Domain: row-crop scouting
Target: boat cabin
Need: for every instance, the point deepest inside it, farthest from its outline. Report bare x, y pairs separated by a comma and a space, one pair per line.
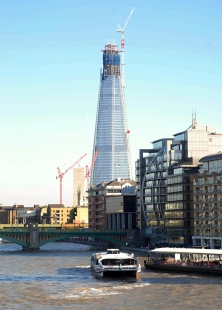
184, 258
112, 251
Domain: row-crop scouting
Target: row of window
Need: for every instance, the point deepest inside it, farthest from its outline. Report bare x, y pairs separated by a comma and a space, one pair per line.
175, 188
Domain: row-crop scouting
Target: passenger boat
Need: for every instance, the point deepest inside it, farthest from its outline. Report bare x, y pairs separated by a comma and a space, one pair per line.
115, 263
185, 260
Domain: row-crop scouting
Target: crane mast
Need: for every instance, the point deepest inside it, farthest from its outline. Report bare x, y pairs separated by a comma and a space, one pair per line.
122, 30
88, 169
61, 175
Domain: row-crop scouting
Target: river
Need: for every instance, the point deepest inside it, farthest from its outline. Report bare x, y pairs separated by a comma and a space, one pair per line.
58, 276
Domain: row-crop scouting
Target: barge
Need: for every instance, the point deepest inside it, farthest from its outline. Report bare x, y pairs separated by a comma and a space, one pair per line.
185, 260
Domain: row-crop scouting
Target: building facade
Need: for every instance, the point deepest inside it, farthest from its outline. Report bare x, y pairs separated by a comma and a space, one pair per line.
121, 212
97, 201
81, 219
18, 214
207, 185
111, 133
164, 177
58, 214
79, 187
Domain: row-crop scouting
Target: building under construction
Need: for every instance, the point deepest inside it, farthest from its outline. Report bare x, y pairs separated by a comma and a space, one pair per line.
111, 134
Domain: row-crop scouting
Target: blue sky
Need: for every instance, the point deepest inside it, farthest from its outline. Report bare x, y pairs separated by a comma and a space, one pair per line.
50, 60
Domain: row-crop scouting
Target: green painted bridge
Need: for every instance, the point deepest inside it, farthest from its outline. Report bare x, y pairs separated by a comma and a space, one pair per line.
33, 235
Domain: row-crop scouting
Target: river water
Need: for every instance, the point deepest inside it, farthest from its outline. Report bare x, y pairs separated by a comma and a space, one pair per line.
58, 276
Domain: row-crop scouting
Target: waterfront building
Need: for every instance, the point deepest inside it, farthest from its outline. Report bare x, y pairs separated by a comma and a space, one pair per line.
111, 133
18, 214
164, 176
207, 193
58, 214
97, 204
79, 187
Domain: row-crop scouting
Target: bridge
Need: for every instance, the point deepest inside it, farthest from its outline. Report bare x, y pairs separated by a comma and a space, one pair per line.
32, 236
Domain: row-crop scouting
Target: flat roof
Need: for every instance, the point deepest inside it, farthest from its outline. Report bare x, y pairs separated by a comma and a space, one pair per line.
211, 157
188, 251
162, 139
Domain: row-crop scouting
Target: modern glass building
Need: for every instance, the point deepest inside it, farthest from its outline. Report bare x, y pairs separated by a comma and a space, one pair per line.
164, 177
207, 192
111, 134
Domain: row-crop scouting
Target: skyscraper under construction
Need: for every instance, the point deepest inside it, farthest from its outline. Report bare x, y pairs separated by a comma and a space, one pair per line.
111, 133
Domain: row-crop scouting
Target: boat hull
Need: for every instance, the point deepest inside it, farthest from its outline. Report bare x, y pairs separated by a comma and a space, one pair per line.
114, 273
183, 269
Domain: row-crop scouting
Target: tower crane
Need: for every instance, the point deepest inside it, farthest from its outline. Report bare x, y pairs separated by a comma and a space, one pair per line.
122, 30
61, 174
89, 169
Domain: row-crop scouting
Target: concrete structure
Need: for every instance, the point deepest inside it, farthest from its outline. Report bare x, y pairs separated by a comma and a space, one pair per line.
111, 132
97, 201
207, 193
164, 183
79, 187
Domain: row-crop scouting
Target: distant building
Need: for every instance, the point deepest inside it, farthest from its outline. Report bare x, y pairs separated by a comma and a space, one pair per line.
81, 218
207, 196
121, 212
58, 214
10, 214
79, 187
18, 214
97, 204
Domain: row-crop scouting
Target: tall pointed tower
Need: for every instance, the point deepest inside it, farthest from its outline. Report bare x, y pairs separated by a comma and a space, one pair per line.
111, 134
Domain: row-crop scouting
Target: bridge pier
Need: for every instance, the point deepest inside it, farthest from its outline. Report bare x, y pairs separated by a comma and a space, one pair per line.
33, 238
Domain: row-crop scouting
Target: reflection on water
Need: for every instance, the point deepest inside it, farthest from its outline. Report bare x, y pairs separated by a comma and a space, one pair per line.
58, 276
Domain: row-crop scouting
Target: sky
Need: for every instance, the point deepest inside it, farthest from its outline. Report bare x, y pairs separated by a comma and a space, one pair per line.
50, 61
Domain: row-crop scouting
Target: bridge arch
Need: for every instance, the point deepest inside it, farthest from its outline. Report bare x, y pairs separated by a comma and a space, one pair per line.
32, 238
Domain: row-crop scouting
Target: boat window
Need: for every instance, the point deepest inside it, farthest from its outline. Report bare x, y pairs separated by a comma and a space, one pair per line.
116, 251
123, 262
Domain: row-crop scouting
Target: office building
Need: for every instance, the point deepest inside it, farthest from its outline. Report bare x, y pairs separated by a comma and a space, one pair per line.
164, 176
207, 193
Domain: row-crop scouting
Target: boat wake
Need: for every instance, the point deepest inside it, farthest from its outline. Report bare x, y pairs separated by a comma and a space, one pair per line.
98, 292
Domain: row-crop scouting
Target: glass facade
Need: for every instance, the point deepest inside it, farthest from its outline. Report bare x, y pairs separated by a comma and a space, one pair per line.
153, 192
111, 135
207, 186
165, 189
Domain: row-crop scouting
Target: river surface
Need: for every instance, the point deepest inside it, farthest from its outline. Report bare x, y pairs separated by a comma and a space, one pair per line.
58, 276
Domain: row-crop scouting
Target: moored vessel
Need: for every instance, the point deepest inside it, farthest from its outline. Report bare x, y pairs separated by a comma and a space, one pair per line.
115, 263
185, 260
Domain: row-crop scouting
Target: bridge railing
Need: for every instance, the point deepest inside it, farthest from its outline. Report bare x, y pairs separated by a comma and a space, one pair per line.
20, 227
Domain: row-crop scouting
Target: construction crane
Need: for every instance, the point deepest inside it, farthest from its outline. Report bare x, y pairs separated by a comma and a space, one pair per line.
122, 30
89, 169
61, 174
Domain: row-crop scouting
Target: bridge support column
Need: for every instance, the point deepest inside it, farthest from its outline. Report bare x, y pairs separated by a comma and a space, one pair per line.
33, 237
